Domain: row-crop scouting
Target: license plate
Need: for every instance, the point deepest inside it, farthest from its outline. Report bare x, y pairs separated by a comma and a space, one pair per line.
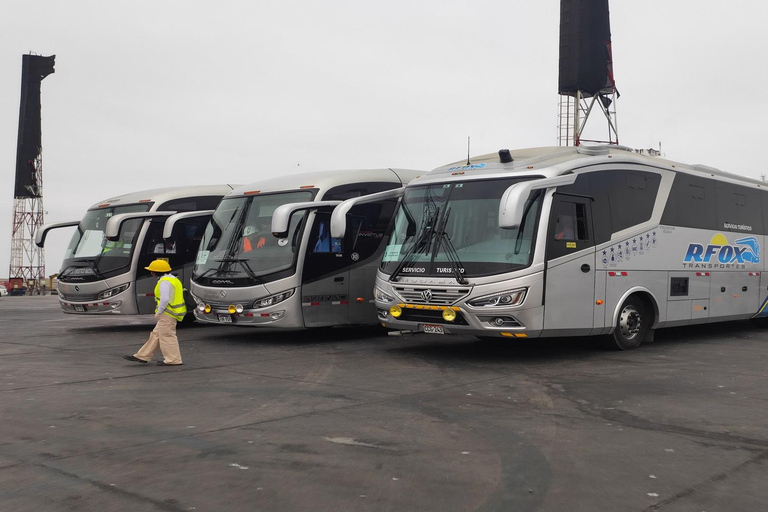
432, 329
225, 319
80, 309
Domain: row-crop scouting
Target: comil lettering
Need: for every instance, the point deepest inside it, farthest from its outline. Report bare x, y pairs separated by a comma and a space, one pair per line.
719, 250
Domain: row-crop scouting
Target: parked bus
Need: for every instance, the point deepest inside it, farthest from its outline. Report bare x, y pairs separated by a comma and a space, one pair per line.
267, 257
103, 270
572, 241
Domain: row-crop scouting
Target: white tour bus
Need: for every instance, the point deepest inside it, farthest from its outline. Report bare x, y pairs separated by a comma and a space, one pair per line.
572, 241
103, 270
267, 257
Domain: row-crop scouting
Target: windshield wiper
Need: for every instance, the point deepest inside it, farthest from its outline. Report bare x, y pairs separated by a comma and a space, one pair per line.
421, 244
216, 270
91, 263
442, 237
243, 263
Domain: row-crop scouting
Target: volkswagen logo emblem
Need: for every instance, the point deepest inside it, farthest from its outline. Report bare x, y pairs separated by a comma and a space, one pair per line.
222, 294
426, 295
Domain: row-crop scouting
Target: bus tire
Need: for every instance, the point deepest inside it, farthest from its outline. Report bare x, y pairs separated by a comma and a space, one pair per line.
631, 325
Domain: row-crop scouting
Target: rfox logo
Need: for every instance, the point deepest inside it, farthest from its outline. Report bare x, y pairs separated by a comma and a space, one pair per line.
743, 250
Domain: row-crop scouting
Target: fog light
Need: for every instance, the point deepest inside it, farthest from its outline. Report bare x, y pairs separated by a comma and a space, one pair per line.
207, 308
395, 311
232, 310
498, 321
201, 307
239, 308
449, 315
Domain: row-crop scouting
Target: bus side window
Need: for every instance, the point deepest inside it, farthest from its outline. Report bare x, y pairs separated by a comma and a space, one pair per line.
324, 243
571, 222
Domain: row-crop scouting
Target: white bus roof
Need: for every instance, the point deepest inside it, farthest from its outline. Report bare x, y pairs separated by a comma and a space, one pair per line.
161, 195
324, 180
555, 161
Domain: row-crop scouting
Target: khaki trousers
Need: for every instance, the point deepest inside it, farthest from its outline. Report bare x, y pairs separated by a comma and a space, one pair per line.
164, 337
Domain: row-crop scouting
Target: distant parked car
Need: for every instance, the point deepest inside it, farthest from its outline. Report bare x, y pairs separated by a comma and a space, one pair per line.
3, 290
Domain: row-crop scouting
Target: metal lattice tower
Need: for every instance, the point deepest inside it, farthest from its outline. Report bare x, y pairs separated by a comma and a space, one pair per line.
575, 110
27, 259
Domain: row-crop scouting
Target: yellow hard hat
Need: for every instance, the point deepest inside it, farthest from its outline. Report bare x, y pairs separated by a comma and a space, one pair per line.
159, 266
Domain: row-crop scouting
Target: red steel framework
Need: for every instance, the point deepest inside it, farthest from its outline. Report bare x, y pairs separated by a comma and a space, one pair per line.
27, 260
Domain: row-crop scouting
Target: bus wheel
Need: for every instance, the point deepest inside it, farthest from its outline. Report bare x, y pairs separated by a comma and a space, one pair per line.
631, 326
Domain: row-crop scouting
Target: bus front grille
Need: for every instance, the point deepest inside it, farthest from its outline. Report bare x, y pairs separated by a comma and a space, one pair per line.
428, 295
78, 298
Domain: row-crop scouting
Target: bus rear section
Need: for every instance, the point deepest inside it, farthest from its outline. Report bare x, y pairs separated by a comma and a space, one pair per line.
597, 243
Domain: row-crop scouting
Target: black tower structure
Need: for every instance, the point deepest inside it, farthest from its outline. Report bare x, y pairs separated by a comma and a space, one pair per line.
27, 260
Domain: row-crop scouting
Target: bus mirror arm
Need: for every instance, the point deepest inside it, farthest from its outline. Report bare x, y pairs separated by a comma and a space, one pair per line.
171, 221
42, 232
512, 204
339, 215
281, 217
112, 230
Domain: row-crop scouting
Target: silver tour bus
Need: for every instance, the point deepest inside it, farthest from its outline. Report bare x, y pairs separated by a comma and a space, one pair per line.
103, 269
572, 241
267, 257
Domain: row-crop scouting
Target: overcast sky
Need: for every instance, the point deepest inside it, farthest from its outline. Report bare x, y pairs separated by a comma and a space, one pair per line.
159, 93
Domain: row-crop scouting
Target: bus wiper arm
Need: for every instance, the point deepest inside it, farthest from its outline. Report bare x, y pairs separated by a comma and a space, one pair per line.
243, 263
92, 264
443, 238
424, 239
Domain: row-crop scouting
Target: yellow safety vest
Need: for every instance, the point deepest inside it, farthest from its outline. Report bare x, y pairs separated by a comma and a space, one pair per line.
176, 306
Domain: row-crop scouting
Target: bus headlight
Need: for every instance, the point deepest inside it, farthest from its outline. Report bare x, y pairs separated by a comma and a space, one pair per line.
503, 299
114, 291
272, 300
379, 295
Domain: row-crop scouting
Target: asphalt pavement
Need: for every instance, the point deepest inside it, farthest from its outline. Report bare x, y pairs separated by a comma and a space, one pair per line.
350, 419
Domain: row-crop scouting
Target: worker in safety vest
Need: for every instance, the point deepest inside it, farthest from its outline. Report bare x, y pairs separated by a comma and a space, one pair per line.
169, 296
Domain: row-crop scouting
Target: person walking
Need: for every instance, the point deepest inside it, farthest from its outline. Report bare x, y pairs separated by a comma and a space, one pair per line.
170, 310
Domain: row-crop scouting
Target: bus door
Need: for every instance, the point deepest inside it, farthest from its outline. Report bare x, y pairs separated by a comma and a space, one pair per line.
570, 276
364, 245
179, 251
325, 277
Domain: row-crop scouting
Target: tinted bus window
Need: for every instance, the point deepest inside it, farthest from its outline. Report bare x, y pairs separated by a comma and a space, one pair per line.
691, 203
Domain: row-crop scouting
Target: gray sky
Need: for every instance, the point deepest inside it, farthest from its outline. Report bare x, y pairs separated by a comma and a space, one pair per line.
157, 93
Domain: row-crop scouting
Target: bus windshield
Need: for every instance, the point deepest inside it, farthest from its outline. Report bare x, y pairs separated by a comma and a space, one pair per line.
90, 255
452, 230
238, 245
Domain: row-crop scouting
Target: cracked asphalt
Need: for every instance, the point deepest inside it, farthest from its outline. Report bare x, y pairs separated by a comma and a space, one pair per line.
353, 419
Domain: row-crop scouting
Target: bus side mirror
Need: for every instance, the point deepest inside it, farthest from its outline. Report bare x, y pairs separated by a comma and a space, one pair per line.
281, 217
512, 204
339, 215
43, 230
